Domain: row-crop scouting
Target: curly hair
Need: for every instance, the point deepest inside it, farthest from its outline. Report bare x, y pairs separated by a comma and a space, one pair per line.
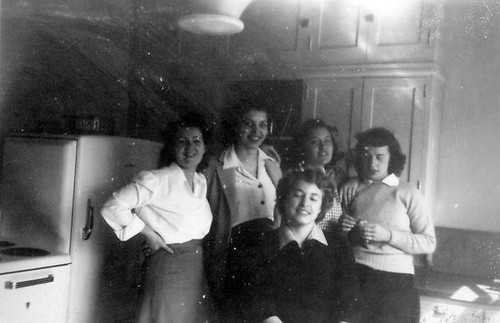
189, 120
380, 137
233, 117
311, 176
301, 135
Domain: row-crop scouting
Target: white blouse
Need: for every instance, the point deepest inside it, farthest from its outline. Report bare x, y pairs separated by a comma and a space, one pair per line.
163, 200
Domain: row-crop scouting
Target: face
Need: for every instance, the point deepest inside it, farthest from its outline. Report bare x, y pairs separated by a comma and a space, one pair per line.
189, 148
253, 129
318, 147
303, 204
375, 162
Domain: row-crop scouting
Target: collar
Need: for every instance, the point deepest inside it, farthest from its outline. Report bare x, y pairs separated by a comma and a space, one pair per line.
391, 180
286, 236
231, 160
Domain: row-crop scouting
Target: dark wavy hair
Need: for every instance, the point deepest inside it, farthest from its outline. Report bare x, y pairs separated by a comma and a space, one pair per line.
191, 119
232, 119
380, 137
312, 176
303, 132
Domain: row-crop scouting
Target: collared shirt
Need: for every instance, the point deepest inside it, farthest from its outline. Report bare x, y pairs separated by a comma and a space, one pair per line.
286, 236
256, 197
163, 200
334, 213
390, 180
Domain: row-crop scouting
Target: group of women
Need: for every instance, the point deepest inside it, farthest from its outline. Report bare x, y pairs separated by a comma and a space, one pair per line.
233, 240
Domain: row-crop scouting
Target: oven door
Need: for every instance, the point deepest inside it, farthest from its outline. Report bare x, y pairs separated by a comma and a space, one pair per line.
39, 295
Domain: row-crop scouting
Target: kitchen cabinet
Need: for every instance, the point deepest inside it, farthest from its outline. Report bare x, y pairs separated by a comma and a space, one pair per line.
405, 102
346, 31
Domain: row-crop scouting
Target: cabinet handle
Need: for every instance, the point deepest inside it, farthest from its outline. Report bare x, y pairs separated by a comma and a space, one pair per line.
304, 23
310, 43
369, 17
27, 283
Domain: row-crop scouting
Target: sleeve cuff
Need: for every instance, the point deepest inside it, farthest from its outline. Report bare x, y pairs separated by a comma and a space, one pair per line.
132, 229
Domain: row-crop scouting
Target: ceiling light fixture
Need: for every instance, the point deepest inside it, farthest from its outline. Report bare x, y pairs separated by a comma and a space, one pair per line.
215, 17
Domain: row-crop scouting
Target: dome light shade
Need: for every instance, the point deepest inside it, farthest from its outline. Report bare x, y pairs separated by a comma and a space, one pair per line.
215, 17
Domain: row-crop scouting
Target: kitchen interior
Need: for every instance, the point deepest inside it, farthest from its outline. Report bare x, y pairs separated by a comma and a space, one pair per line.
86, 88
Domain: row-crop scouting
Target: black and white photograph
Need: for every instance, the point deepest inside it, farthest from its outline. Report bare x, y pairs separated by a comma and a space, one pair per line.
250, 161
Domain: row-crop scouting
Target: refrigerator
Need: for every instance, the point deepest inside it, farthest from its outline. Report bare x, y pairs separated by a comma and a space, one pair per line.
52, 189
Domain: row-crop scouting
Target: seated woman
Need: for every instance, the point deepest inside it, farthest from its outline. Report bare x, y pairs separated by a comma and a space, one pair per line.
295, 273
388, 224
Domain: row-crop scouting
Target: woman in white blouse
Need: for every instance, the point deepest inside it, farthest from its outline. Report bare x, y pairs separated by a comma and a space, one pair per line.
169, 207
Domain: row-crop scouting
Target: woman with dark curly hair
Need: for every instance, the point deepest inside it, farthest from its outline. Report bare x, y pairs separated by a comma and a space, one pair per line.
241, 190
295, 273
169, 207
388, 223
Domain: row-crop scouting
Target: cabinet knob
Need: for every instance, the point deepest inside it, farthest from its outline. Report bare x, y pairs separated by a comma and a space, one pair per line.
304, 23
369, 17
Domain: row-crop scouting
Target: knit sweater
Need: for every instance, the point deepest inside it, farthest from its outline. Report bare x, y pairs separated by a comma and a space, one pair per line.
399, 207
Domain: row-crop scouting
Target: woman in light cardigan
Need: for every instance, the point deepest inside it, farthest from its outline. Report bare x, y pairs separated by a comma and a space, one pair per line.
242, 184
388, 223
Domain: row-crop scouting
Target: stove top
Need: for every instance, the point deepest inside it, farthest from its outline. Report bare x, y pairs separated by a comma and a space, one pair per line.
16, 257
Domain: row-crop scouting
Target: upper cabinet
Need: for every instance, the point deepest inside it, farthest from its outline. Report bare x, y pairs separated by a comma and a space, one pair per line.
357, 31
407, 102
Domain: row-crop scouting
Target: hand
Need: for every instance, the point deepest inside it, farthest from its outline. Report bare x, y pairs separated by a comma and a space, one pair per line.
154, 242
347, 223
376, 232
269, 149
348, 191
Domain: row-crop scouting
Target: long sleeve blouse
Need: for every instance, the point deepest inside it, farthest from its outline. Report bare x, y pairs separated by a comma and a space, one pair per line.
163, 200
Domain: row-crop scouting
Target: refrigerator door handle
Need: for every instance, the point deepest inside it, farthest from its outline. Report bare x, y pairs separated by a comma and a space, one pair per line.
89, 222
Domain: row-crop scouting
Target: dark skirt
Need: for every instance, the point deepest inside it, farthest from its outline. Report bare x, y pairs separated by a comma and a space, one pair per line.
388, 297
175, 288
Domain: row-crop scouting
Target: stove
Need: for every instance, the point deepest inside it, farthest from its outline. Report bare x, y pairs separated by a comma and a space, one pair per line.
16, 257
34, 283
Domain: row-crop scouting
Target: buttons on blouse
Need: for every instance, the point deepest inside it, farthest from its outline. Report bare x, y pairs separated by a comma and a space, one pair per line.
262, 202
260, 185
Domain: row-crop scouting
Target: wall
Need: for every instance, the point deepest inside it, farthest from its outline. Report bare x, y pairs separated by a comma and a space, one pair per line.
469, 173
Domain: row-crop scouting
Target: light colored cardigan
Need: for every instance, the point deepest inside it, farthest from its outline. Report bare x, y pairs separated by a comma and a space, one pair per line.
400, 207
221, 194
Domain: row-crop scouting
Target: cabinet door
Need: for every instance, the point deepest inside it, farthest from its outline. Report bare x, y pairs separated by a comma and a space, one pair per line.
398, 105
347, 31
337, 102
338, 32
399, 30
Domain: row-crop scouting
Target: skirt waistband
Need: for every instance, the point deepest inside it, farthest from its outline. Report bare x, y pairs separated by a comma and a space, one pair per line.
187, 247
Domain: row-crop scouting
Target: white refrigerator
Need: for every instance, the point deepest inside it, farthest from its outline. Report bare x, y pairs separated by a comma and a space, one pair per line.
52, 188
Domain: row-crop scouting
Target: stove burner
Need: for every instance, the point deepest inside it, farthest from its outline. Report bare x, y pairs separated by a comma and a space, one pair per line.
24, 252
4, 244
